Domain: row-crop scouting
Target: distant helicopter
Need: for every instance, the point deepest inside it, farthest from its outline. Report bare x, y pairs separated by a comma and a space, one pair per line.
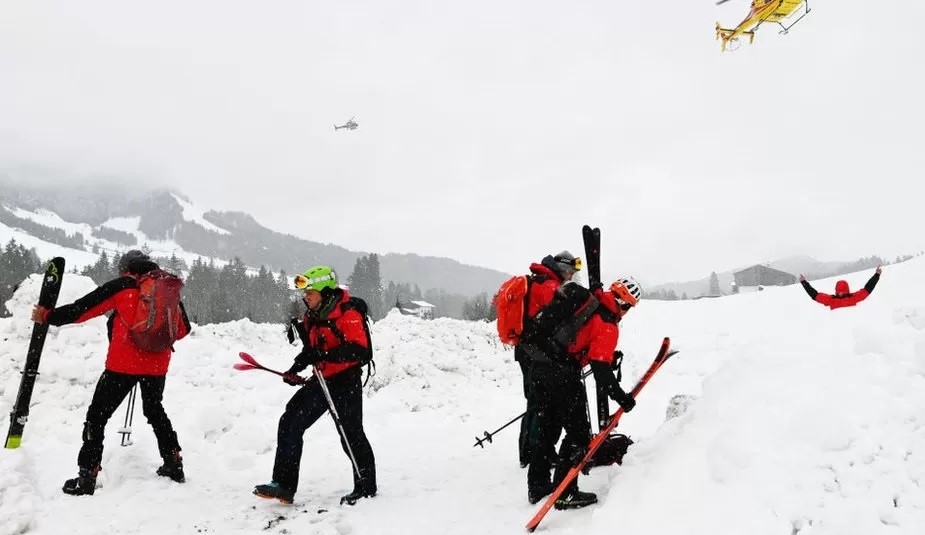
350, 125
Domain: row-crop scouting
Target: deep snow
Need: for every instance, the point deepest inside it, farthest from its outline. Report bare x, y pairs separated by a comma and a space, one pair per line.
803, 420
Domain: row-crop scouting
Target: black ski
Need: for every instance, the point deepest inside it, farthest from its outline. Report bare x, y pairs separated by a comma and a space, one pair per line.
592, 239
48, 297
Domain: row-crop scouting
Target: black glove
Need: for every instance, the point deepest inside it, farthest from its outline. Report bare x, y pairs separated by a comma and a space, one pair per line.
625, 400
596, 286
293, 379
306, 358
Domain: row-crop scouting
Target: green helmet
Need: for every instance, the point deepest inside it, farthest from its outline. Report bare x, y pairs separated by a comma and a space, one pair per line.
316, 278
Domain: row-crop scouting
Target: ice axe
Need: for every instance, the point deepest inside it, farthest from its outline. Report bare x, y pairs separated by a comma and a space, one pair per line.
251, 364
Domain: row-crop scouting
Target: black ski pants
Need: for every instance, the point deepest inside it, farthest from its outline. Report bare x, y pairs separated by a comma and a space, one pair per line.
304, 409
111, 389
528, 422
561, 403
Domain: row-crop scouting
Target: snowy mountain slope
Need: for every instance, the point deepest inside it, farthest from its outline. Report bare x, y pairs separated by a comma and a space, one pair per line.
806, 421
169, 223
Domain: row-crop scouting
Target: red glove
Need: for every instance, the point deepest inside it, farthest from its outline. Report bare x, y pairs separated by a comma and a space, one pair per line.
40, 314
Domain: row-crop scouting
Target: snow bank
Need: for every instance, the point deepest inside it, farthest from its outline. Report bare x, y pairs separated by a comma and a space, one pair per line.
787, 417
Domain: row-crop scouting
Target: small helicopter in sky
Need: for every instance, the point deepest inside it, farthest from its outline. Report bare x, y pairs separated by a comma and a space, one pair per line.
349, 125
762, 11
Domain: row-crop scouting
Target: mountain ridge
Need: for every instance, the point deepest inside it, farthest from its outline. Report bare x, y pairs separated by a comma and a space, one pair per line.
106, 213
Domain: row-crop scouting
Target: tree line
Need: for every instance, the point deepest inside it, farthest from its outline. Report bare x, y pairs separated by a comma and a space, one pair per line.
216, 294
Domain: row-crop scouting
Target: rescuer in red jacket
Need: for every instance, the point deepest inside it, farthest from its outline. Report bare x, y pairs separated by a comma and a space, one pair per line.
558, 392
843, 297
336, 340
545, 279
126, 365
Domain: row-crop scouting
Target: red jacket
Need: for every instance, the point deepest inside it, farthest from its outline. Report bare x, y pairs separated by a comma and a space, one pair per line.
843, 296
121, 297
337, 355
542, 289
597, 339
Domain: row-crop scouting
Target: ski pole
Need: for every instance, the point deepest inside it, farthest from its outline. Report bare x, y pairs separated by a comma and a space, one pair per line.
488, 436
340, 428
126, 430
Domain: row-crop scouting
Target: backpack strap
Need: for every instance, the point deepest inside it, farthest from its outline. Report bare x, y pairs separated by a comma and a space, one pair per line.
565, 335
531, 278
360, 306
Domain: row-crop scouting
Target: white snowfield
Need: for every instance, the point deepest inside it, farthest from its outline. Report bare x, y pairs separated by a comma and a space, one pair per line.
804, 421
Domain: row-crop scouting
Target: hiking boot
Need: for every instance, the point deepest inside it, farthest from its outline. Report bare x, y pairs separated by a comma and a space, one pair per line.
273, 491
535, 494
173, 468
84, 483
361, 489
355, 496
576, 500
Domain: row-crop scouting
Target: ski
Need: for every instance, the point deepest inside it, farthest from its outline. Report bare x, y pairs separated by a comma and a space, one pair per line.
664, 354
48, 297
592, 240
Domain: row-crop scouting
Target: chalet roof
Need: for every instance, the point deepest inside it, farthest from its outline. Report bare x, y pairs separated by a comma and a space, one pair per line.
765, 269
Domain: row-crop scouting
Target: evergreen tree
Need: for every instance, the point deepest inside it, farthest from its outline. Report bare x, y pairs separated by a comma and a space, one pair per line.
374, 288
366, 283
101, 271
480, 308
714, 284
16, 264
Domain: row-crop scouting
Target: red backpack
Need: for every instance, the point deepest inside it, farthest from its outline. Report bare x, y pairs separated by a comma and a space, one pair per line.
154, 327
510, 303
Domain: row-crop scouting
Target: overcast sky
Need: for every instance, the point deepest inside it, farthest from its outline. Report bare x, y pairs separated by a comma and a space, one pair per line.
490, 131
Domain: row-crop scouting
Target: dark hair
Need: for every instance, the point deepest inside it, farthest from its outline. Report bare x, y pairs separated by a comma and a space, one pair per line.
130, 258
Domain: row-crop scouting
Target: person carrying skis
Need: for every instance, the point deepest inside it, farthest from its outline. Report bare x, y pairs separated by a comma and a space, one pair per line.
126, 365
559, 394
336, 341
843, 297
545, 278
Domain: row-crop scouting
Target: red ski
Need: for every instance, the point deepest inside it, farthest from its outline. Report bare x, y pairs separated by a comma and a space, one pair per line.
663, 354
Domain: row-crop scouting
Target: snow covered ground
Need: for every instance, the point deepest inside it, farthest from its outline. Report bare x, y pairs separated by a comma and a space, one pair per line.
805, 420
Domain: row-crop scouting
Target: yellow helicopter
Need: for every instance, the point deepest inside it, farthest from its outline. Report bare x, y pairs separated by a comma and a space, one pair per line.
762, 11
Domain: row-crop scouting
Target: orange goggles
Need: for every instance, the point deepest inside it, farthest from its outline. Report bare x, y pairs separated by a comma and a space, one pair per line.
302, 282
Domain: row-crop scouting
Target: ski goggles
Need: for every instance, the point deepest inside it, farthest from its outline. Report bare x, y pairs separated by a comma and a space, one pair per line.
302, 282
574, 263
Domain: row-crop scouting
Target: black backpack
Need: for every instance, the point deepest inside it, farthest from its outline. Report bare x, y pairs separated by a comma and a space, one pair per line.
355, 303
611, 451
571, 307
